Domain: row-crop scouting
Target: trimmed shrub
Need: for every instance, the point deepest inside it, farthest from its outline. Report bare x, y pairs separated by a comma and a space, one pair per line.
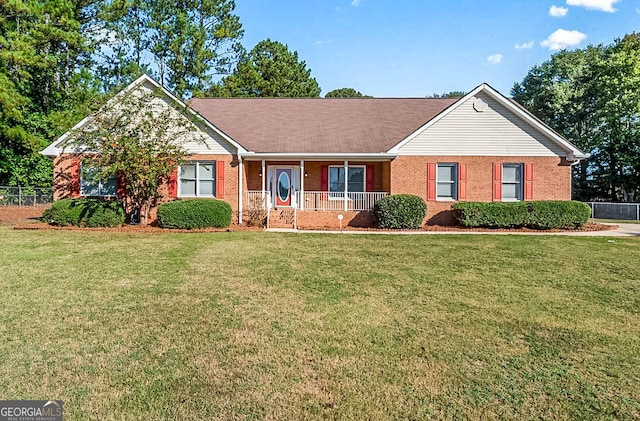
85, 212
399, 211
558, 214
491, 215
544, 214
194, 213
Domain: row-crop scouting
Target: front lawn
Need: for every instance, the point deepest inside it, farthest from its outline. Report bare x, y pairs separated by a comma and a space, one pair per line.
319, 326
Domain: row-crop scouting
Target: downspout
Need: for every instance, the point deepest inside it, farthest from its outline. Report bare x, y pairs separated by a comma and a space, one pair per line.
574, 161
241, 174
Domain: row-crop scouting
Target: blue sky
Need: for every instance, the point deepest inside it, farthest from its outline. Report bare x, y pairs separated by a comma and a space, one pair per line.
413, 48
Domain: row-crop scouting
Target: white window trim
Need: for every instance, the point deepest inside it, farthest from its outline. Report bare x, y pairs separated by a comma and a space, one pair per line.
100, 186
520, 183
364, 181
454, 182
197, 178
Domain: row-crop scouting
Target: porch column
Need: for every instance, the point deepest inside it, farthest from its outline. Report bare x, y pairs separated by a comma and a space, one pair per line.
301, 204
263, 184
346, 183
241, 172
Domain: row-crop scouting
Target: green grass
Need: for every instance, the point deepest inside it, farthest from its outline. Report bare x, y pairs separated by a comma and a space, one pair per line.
615, 221
284, 326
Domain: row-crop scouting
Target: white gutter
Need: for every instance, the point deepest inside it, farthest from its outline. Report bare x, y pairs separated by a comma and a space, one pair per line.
318, 156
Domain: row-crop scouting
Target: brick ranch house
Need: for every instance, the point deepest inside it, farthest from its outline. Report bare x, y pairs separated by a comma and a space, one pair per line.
307, 161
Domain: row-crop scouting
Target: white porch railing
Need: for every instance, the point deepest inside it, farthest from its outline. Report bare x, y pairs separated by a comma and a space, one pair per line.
334, 201
321, 201
254, 200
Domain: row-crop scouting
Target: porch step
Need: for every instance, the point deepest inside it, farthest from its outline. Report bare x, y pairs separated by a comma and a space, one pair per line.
281, 218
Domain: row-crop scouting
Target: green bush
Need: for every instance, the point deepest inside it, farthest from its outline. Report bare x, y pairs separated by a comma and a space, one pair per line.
399, 211
558, 214
194, 213
85, 212
492, 214
545, 214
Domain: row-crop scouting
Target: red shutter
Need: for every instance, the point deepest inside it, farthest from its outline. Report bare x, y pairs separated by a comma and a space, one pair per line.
173, 183
431, 181
120, 185
220, 179
462, 181
75, 177
528, 181
370, 178
497, 182
324, 178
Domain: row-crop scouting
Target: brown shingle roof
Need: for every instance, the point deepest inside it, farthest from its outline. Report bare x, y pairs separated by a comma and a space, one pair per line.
340, 125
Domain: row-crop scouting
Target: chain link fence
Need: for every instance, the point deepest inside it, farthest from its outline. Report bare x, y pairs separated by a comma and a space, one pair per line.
25, 196
608, 210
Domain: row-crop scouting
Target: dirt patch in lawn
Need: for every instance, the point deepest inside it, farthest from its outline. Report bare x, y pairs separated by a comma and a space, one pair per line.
11, 215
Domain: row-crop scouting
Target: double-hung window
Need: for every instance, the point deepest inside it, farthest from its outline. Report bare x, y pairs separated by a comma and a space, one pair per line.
92, 185
355, 180
197, 179
447, 181
512, 182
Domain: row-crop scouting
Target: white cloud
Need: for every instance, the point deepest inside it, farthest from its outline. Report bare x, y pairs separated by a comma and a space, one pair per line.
562, 38
355, 3
525, 46
558, 12
323, 41
601, 5
494, 58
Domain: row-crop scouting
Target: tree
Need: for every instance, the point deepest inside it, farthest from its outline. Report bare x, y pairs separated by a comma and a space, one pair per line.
122, 40
451, 94
268, 70
590, 96
42, 51
141, 149
188, 41
561, 92
345, 93
617, 110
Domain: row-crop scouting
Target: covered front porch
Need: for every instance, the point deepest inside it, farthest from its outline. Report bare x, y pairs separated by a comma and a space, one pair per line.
315, 185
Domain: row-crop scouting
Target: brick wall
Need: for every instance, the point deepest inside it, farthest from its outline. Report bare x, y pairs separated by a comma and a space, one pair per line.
329, 220
406, 174
552, 180
63, 179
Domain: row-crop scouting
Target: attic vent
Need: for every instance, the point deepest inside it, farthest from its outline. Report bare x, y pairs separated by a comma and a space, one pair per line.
479, 105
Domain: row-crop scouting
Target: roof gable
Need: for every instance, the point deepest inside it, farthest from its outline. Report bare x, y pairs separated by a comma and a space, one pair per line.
549, 141
215, 137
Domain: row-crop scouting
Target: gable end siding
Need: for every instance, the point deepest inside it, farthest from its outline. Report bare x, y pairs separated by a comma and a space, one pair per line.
496, 131
201, 141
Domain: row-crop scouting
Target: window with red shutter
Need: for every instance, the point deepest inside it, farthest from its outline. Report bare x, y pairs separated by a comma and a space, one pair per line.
431, 181
173, 184
74, 172
497, 181
528, 181
462, 181
370, 178
324, 178
220, 180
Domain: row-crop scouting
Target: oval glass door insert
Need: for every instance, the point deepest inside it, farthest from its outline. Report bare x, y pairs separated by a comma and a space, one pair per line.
283, 186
